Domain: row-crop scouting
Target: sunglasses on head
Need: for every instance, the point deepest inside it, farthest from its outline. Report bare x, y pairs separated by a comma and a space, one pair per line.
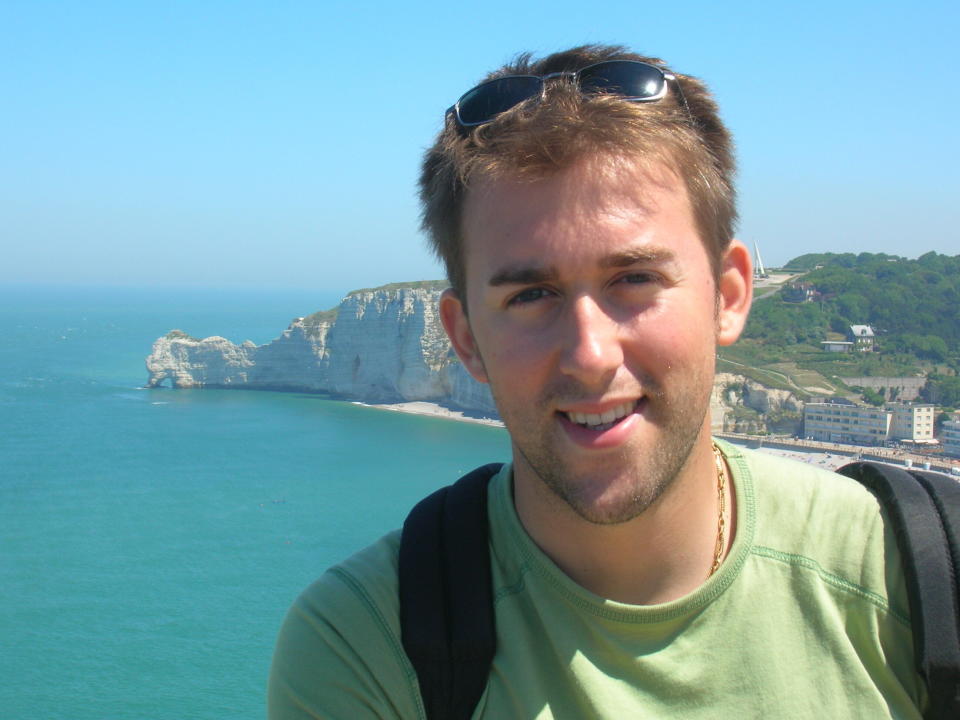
630, 79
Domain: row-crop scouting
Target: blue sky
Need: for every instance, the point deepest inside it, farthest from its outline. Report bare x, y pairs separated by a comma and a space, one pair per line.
276, 145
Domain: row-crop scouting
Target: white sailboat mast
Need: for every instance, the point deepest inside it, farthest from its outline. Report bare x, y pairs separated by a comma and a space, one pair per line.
758, 268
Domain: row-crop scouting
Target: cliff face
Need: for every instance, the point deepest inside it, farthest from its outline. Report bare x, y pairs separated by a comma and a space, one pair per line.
388, 345
743, 405
383, 345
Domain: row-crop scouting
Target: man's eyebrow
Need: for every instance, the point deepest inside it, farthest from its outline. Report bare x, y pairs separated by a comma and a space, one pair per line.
532, 274
521, 275
637, 256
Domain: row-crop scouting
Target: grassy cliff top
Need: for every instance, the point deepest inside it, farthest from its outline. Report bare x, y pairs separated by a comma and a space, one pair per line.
329, 316
320, 317
180, 335
415, 285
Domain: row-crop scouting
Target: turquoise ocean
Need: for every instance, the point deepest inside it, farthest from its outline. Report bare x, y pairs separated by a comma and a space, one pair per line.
152, 540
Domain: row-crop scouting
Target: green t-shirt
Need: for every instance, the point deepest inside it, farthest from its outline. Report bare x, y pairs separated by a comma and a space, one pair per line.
806, 618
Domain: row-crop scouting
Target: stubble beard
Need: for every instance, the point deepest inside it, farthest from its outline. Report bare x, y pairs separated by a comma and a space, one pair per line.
641, 474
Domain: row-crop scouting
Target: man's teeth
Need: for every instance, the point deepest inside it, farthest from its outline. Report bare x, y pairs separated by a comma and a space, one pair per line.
596, 421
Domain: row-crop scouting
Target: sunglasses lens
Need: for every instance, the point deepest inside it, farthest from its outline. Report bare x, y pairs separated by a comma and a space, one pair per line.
623, 77
486, 101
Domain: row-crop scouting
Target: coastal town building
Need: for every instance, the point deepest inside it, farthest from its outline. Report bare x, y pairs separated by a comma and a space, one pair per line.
950, 437
913, 422
800, 292
837, 345
844, 422
862, 337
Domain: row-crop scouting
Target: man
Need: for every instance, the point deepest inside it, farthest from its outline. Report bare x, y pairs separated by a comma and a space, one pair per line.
583, 205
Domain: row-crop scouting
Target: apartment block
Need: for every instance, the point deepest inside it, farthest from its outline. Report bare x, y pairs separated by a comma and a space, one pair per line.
950, 437
846, 423
912, 421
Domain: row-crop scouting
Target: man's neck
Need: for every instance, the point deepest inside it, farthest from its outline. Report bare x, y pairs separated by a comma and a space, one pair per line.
664, 553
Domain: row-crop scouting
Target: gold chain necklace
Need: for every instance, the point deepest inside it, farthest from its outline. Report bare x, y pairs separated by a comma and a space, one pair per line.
721, 522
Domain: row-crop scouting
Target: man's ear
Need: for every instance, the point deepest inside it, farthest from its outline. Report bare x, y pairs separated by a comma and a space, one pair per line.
457, 324
735, 293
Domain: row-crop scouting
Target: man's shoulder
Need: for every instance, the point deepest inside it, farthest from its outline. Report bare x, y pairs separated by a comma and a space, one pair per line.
338, 653
785, 480
366, 583
830, 526
808, 497
355, 600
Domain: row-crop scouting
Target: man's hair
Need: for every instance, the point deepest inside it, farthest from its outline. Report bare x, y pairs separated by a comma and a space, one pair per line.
541, 137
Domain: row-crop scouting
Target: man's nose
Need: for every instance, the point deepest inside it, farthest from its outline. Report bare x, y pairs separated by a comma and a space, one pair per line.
591, 350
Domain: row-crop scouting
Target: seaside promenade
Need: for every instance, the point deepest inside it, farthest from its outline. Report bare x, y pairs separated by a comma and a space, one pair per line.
834, 455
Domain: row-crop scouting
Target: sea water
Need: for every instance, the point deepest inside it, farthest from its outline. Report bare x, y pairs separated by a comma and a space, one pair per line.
152, 540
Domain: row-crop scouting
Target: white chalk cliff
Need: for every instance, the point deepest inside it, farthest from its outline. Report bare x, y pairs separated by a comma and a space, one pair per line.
379, 345
387, 345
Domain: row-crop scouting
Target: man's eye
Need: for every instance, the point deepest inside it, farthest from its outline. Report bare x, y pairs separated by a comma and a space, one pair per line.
638, 278
530, 295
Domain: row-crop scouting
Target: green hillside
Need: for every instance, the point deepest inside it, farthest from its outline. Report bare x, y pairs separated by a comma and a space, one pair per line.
913, 307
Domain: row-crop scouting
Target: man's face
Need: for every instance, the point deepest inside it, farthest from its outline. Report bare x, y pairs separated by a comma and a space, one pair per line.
593, 314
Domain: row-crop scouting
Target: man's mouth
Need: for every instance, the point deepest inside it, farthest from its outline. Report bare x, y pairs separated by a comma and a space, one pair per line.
599, 422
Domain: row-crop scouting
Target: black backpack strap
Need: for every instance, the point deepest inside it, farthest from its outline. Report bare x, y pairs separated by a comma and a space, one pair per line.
924, 511
944, 491
446, 595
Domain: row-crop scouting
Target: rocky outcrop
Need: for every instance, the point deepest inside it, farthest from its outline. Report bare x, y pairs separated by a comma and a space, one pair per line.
743, 405
191, 362
380, 345
387, 345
